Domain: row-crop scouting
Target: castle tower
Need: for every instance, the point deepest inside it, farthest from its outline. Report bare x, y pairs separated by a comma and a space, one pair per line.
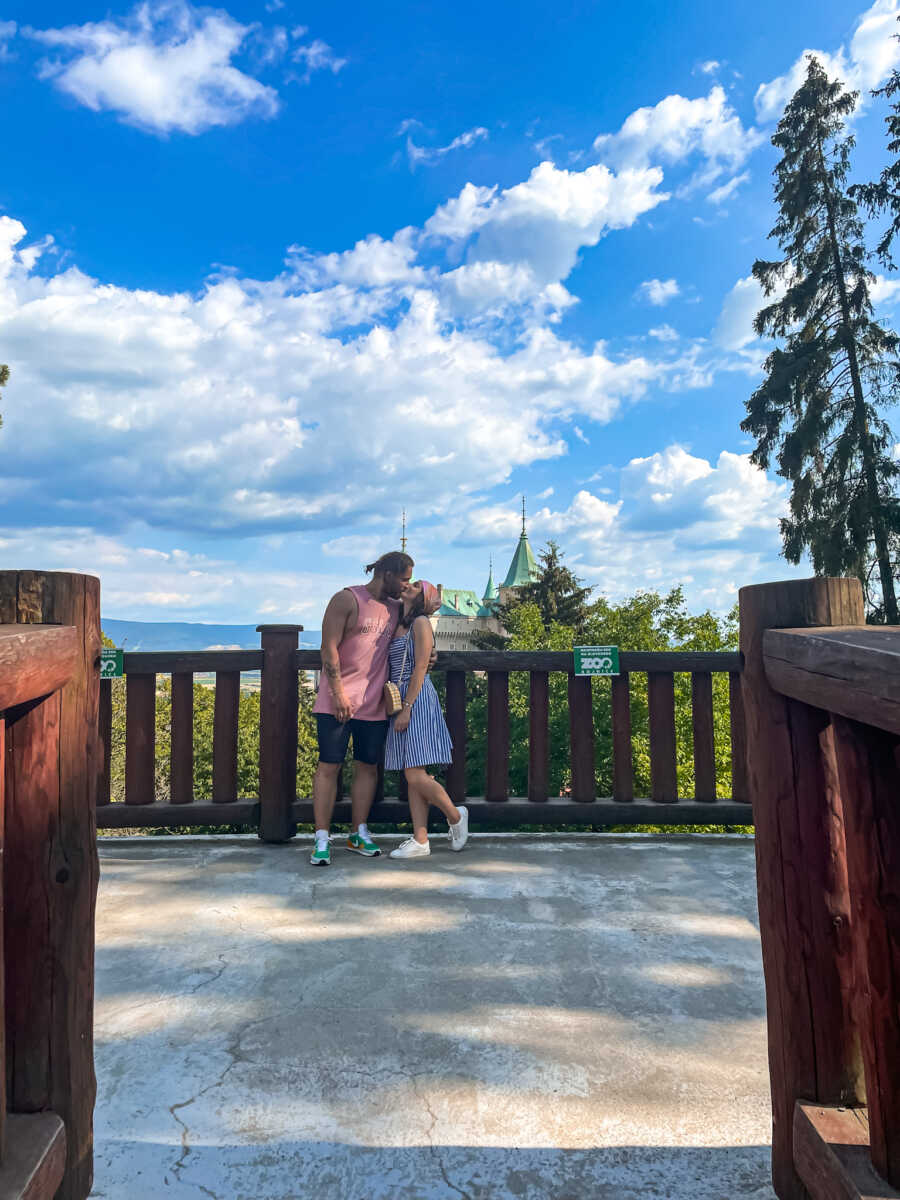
491, 595
523, 568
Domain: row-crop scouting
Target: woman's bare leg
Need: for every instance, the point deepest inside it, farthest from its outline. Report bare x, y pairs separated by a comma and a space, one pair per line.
418, 811
429, 791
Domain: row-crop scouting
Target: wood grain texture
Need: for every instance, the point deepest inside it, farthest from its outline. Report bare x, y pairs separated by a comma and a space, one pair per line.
51, 874
104, 733
497, 768
538, 736
278, 710
456, 723
703, 736
225, 736
738, 729
850, 670
804, 908
140, 739
870, 786
36, 1163
164, 662
34, 661
831, 1151
161, 816
181, 744
623, 765
581, 739
663, 763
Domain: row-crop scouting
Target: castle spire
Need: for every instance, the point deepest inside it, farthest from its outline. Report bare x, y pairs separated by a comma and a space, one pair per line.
523, 569
403, 532
523, 514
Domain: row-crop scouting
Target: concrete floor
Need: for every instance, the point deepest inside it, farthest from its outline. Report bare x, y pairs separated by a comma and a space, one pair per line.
542, 1017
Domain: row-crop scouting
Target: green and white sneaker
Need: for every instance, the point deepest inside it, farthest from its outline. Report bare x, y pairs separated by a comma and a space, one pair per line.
363, 844
321, 855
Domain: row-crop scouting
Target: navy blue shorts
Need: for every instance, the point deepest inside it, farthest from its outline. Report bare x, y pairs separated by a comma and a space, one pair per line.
334, 738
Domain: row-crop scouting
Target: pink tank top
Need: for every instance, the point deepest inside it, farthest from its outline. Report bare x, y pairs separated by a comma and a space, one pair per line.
363, 656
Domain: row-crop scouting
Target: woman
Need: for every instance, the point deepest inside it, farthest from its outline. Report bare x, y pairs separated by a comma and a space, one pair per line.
418, 737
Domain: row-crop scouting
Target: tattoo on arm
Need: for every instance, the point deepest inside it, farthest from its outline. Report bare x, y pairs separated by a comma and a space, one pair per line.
331, 670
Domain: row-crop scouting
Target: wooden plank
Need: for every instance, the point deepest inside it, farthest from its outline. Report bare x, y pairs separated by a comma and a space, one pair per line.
278, 714
104, 727
51, 837
831, 1153
497, 767
870, 784
165, 662
623, 767
34, 661
851, 671
181, 754
225, 736
2, 954
556, 811
803, 904
538, 736
549, 660
161, 816
456, 723
704, 736
140, 740
581, 739
738, 738
663, 763
36, 1163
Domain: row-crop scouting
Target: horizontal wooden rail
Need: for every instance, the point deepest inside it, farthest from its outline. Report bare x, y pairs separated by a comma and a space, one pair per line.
35, 1163
35, 660
851, 670
555, 660
164, 662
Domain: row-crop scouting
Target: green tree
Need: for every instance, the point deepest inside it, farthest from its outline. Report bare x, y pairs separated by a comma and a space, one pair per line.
815, 411
557, 592
883, 195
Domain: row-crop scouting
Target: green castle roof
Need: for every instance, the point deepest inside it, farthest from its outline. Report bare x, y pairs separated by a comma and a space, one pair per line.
523, 569
459, 602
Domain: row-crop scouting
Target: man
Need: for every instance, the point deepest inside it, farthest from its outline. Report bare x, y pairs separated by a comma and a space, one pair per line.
357, 630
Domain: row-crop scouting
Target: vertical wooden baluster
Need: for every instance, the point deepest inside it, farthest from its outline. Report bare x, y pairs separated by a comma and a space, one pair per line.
497, 767
623, 767
456, 723
704, 736
663, 763
278, 738
870, 786
581, 738
181, 758
538, 736
140, 739
225, 736
739, 790
104, 721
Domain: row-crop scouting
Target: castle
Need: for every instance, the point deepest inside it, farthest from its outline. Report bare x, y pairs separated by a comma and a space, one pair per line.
463, 615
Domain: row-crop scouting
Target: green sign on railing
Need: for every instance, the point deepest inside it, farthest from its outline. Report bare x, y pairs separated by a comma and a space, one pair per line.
596, 660
112, 664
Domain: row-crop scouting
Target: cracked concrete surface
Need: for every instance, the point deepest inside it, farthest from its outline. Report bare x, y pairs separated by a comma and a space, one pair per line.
548, 1017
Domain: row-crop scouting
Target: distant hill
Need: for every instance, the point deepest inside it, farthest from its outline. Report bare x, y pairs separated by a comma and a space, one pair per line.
189, 635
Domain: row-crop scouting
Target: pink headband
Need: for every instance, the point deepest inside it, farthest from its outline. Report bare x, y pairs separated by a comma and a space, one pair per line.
431, 596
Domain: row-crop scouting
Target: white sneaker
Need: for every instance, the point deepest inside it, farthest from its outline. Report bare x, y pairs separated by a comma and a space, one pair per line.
459, 833
411, 849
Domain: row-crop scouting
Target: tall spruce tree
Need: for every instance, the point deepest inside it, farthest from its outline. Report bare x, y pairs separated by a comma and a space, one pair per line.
816, 412
557, 591
883, 196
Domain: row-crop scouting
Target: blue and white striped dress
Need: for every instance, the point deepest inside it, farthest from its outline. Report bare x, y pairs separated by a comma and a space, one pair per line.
426, 741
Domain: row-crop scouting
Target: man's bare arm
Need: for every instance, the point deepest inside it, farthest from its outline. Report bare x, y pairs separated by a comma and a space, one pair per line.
342, 608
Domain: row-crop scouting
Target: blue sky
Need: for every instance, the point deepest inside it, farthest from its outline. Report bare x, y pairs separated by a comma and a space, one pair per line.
271, 272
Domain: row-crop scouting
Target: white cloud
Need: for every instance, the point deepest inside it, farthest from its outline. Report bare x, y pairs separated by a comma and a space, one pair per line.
884, 292
317, 56
709, 67
659, 291
663, 333
720, 194
677, 128
166, 67
872, 54
425, 155
734, 328
7, 33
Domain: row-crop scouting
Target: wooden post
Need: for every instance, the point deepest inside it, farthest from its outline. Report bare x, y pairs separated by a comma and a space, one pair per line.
704, 736
50, 874
181, 747
278, 711
581, 738
456, 723
497, 766
104, 781
870, 784
804, 909
140, 739
663, 761
623, 768
225, 736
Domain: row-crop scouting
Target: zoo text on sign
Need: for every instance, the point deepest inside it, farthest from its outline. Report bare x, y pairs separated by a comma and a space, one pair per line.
596, 660
111, 663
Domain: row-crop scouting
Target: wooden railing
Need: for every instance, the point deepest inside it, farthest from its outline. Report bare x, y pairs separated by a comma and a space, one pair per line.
49, 687
822, 702
278, 808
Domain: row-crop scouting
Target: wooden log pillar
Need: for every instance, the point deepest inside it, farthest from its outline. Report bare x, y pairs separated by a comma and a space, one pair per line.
53, 764
581, 738
867, 761
278, 711
804, 906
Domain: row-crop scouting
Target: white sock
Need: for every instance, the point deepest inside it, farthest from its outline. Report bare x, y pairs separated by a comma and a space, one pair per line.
363, 832
321, 837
